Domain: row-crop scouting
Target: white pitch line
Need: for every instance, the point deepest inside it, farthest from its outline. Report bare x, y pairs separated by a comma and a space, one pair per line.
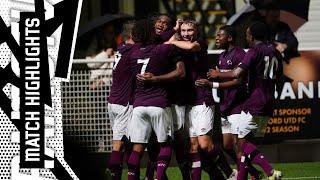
300, 178
303, 178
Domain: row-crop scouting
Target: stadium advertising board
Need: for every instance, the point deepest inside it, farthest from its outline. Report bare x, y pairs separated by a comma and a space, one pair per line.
296, 111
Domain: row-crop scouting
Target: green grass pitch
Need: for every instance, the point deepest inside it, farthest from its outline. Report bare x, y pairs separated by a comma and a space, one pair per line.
303, 171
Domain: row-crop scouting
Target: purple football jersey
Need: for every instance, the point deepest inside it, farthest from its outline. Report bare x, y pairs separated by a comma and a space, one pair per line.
231, 100
156, 59
200, 67
122, 89
165, 36
263, 65
181, 92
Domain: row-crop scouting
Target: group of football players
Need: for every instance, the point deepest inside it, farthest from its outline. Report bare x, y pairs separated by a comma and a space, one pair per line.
161, 98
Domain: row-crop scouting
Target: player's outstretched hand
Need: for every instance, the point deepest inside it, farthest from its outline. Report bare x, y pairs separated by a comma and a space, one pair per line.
203, 82
146, 77
213, 73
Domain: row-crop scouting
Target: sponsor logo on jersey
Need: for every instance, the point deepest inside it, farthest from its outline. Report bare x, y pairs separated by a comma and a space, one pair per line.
162, 165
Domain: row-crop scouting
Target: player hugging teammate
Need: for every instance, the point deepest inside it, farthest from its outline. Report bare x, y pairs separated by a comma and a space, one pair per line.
161, 98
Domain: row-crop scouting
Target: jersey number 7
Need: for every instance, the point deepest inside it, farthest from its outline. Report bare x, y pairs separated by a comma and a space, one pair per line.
144, 64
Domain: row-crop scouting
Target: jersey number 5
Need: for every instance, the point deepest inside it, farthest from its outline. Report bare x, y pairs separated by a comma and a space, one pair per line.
270, 67
144, 63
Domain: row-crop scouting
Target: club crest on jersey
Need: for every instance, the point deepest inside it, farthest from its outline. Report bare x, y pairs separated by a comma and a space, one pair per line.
229, 62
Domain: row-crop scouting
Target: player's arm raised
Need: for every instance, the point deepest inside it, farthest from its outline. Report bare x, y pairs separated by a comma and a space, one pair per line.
187, 45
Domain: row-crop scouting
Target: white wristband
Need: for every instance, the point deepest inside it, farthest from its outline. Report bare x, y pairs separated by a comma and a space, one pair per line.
215, 85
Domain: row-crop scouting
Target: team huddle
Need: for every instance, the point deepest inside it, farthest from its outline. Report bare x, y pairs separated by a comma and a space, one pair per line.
161, 99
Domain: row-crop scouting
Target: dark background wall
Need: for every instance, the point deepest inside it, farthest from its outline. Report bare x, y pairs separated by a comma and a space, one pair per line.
145, 7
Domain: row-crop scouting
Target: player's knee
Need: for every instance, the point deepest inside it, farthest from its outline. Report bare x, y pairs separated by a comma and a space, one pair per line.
194, 148
205, 147
117, 145
138, 148
206, 144
228, 146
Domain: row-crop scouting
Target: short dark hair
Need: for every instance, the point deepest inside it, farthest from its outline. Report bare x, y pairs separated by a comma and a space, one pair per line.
229, 30
258, 30
127, 29
172, 20
143, 31
153, 16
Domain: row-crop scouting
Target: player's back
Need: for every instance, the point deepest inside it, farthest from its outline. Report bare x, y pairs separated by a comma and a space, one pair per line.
265, 66
232, 99
155, 59
122, 79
